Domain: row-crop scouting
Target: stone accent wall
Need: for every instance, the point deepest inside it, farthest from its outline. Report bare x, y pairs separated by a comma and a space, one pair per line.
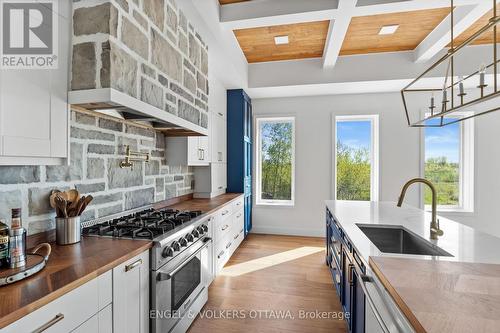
144, 48
97, 147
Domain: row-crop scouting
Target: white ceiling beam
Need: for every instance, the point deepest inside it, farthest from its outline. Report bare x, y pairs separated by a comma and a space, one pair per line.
261, 13
440, 37
377, 7
337, 32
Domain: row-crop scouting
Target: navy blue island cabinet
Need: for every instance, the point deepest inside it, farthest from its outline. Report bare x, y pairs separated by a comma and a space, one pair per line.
346, 266
239, 149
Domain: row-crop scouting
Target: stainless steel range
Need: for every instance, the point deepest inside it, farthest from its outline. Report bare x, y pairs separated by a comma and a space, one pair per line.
180, 260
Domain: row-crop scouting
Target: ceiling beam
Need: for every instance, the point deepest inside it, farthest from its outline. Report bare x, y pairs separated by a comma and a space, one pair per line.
262, 13
440, 37
337, 32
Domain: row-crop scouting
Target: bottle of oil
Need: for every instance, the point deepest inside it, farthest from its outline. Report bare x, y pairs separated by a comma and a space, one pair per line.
17, 240
4, 245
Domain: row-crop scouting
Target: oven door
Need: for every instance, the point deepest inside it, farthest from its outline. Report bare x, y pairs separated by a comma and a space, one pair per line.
177, 286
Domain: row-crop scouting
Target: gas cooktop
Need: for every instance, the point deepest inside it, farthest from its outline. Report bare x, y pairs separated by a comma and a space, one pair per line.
145, 224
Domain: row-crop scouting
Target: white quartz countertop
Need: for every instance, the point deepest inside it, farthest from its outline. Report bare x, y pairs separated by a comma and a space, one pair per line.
463, 242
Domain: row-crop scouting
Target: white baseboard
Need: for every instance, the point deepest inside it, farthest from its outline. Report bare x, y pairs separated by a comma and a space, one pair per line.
289, 231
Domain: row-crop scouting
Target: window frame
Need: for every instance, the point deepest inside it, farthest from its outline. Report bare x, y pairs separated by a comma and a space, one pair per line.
374, 152
466, 167
258, 165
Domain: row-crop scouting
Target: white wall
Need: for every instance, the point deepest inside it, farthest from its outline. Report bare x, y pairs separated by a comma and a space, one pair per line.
399, 160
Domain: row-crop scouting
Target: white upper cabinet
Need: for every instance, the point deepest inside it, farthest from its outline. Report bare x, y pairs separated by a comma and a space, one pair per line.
191, 151
219, 139
34, 110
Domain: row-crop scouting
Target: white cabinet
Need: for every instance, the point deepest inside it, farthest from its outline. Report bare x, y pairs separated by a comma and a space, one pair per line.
131, 295
70, 311
219, 139
191, 151
210, 181
228, 232
34, 112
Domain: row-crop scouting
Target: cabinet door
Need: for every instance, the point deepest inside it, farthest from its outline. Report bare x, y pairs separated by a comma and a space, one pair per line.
193, 150
204, 147
358, 306
131, 295
347, 271
34, 111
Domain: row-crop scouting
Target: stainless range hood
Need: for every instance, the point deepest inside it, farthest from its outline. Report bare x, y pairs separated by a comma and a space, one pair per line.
133, 109
136, 67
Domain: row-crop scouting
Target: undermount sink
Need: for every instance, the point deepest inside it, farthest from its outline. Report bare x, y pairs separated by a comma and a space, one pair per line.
397, 239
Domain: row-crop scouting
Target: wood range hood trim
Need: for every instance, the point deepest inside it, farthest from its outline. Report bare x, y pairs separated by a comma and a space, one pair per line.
134, 109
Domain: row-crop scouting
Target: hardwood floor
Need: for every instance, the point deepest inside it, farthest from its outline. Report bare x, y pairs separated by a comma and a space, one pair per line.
282, 278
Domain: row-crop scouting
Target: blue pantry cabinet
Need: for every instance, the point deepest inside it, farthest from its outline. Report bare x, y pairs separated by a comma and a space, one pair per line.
239, 149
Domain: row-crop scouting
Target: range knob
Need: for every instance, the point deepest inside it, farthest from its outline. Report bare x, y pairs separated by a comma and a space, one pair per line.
167, 252
195, 233
200, 230
189, 237
176, 246
183, 241
205, 228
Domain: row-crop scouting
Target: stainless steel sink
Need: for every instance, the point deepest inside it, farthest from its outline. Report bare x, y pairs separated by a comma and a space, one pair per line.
397, 239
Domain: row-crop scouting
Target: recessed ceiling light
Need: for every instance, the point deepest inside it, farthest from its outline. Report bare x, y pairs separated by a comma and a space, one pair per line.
280, 40
388, 29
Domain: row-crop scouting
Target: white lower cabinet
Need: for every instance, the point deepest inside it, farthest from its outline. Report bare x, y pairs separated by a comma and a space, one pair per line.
228, 228
131, 295
115, 301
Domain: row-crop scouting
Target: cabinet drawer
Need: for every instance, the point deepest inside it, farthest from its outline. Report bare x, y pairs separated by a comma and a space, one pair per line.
237, 205
224, 212
221, 255
65, 313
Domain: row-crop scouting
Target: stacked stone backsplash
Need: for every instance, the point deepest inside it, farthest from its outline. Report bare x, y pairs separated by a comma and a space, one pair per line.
144, 48
97, 147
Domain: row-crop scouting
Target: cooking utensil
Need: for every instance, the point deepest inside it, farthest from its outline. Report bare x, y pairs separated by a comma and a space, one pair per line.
73, 195
62, 205
86, 202
53, 194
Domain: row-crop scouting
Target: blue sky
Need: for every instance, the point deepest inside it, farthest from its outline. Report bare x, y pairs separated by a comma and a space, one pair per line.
443, 141
439, 141
356, 134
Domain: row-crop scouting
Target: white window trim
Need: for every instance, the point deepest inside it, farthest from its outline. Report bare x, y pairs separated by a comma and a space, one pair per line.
258, 158
467, 174
374, 152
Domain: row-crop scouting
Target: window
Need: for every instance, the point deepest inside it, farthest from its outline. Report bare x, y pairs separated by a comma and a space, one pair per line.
356, 158
275, 161
448, 164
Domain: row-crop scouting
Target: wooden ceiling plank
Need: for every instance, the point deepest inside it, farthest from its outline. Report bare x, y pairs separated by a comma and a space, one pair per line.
306, 40
439, 38
363, 34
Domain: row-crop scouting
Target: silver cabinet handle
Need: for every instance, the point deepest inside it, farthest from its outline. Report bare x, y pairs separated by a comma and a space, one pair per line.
239, 203
241, 231
225, 227
220, 254
133, 265
220, 114
220, 188
203, 154
238, 216
225, 212
228, 245
199, 154
220, 156
236, 236
50, 323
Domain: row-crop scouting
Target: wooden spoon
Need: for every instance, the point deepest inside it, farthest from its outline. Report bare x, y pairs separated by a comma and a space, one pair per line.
53, 194
86, 202
62, 205
73, 195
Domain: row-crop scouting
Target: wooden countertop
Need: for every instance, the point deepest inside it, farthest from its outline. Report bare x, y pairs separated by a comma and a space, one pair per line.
441, 296
207, 206
68, 267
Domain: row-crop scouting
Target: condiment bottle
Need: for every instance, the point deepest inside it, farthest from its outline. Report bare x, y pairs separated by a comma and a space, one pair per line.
17, 240
4, 245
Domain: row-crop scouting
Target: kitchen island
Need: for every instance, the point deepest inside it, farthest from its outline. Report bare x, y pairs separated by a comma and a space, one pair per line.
393, 292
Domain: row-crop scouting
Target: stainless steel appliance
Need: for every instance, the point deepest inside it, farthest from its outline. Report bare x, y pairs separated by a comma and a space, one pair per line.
181, 260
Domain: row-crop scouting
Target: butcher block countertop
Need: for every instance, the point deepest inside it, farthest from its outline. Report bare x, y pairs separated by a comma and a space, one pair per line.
207, 206
443, 296
68, 267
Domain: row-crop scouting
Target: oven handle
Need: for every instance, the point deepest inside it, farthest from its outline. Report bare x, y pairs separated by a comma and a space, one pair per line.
167, 276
